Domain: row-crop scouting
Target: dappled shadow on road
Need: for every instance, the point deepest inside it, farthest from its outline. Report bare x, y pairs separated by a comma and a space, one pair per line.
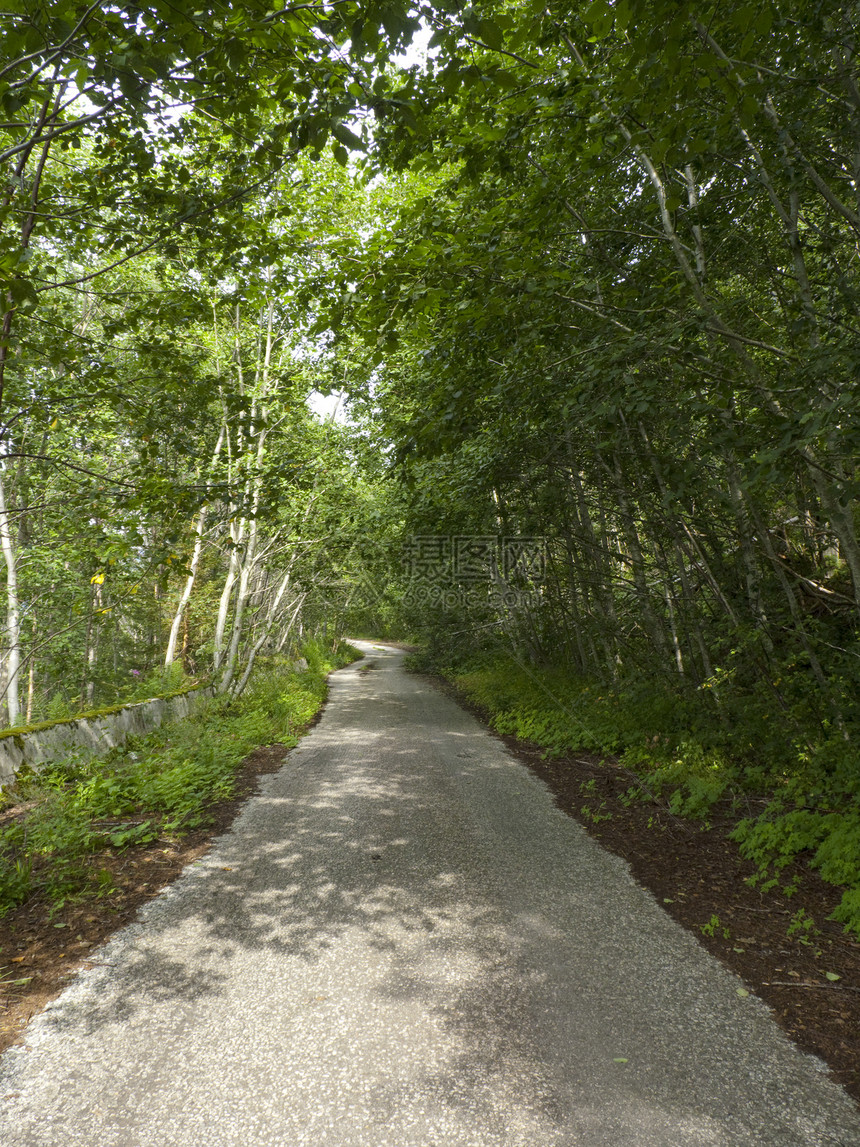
384, 843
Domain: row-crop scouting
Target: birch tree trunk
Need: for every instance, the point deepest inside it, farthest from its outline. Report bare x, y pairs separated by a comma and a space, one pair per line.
12, 666
199, 530
237, 534
246, 567
172, 640
267, 629
246, 570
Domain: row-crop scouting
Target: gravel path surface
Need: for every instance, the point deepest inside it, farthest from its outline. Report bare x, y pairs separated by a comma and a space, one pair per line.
403, 943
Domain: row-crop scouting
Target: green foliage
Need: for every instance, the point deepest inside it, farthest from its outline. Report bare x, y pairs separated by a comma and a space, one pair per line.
58, 709
828, 840
848, 911
566, 712
596, 815
713, 927
16, 878
159, 682
604, 303
694, 777
803, 927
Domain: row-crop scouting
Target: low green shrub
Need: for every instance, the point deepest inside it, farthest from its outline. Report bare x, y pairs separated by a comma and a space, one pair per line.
830, 841
16, 879
157, 683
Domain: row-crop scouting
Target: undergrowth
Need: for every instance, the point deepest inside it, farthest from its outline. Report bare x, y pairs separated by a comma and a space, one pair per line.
690, 760
160, 785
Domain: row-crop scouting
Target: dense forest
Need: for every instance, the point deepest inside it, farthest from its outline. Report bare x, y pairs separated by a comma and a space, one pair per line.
587, 277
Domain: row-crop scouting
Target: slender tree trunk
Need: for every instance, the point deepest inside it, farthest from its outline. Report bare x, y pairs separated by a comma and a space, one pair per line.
199, 529
13, 613
267, 629
653, 626
172, 640
89, 657
31, 689
243, 585
794, 610
673, 629
247, 568
690, 610
224, 610
595, 584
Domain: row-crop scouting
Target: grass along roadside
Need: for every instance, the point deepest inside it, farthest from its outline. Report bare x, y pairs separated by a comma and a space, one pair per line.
85, 844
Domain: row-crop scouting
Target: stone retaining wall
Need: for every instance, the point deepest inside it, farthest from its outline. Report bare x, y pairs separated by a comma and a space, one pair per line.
93, 734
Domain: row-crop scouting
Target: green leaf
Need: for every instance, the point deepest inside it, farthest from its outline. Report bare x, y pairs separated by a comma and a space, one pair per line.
491, 34
764, 23
348, 138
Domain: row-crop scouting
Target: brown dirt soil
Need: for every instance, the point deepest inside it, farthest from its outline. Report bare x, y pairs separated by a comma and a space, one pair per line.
699, 877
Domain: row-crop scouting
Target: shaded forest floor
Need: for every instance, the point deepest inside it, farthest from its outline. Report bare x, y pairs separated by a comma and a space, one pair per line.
695, 872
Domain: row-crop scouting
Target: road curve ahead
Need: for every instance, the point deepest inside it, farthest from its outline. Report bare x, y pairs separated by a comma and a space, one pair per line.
403, 943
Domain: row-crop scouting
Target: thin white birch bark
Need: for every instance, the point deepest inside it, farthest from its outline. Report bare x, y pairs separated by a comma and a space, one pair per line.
267, 629
199, 530
12, 658
184, 597
247, 565
237, 536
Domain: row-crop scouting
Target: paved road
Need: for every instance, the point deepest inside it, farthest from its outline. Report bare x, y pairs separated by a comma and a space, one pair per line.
402, 943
